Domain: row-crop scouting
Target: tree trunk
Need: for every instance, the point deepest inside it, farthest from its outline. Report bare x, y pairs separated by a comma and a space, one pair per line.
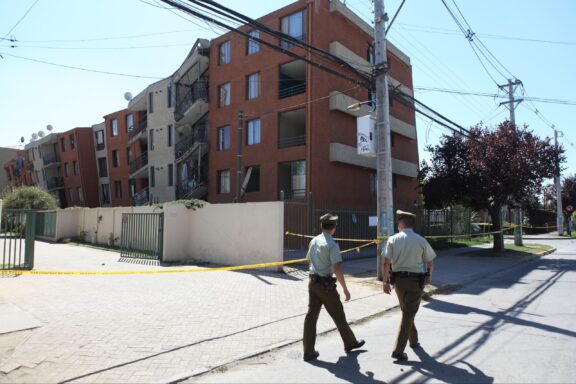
496, 216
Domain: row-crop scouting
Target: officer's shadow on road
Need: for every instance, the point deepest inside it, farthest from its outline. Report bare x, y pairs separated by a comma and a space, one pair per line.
347, 368
447, 373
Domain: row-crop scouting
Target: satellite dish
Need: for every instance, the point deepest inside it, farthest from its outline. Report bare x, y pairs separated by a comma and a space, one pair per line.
34, 136
128, 96
49, 127
22, 139
40, 134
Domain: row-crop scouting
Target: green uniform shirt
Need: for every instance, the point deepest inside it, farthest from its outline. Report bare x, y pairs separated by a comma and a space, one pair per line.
323, 253
408, 252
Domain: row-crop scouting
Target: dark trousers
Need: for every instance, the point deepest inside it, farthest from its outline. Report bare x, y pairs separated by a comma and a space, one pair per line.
409, 295
318, 296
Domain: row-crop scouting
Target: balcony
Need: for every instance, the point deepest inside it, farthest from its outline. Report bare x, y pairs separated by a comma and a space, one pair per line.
142, 197
294, 141
292, 79
190, 143
292, 194
55, 183
292, 129
137, 130
138, 167
191, 101
51, 159
191, 189
100, 146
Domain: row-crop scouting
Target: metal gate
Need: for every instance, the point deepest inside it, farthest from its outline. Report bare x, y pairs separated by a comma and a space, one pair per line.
17, 233
142, 236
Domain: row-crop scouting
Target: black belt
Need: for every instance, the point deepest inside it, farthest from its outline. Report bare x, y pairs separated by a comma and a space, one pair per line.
408, 274
322, 279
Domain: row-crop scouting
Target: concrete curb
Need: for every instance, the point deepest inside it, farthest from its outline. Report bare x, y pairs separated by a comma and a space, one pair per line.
436, 290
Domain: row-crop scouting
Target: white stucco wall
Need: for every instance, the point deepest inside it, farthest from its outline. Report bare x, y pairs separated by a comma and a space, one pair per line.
237, 234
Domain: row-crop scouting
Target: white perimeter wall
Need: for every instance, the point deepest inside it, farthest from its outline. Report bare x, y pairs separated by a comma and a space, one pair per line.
226, 234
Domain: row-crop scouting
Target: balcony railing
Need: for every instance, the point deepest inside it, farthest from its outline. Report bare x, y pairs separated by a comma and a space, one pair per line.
100, 146
285, 92
200, 135
189, 189
142, 197
55, 183
292, 194
141, 126
294, 141
51, 158
139, 162
195, 92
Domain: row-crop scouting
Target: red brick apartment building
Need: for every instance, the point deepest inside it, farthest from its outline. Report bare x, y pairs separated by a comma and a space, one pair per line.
119, 127
19, 171
298, 138
77, 165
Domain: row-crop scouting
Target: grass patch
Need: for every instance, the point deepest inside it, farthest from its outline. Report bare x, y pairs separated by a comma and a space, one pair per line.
103, 247
512, 250
460, 243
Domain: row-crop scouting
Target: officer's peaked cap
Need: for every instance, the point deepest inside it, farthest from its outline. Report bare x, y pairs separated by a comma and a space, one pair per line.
401, 214
328, 218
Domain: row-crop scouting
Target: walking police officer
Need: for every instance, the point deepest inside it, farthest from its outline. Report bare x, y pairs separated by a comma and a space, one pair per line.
406, 256
325, 260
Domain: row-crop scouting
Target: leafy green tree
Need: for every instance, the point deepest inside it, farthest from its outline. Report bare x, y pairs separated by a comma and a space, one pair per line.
28, 198
489, 169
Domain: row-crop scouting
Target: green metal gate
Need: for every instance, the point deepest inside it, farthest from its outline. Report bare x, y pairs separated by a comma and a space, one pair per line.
17, 233
46, 224
142, 236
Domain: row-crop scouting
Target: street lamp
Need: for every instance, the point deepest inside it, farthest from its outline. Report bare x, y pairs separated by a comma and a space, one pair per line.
357, 106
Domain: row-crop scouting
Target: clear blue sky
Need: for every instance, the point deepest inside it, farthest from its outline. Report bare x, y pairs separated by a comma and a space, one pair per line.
145, 40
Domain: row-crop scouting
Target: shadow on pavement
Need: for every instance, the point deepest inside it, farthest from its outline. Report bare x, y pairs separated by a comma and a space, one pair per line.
347, 368
446, 373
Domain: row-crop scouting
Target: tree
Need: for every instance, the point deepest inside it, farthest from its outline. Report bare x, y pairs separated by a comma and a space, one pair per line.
489, 169
28, 198
568, 198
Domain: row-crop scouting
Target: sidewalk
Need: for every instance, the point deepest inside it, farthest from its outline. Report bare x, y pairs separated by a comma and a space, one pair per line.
169, 327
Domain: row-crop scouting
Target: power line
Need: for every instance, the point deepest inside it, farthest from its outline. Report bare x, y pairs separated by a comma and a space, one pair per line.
364, 83
20, 20
14, 40
493, 95
14, 46
80, 68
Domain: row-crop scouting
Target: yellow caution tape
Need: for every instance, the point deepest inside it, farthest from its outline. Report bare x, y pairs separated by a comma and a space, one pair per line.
337, 239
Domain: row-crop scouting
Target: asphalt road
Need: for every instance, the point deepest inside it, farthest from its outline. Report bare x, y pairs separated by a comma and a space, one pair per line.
516, 326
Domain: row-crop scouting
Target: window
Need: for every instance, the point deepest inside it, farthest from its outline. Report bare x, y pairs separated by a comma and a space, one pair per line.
132, 187
152, 177
170, 135
295, 26
224, 138
224, 95
151, 134
114, 127
224, 181
170, 175
75, 166
254, 181
66, 169
99, 140
253, 86
71, 194
253, 45
115, 158
224, 50
129, 122
150, 102
292, 180
105, 193
80, 194
62, 144
169, 102
118, 189
72, 142
128, 155
253, 132
102, 168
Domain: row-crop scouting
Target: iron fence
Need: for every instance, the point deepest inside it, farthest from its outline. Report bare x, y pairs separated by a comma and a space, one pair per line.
142, 236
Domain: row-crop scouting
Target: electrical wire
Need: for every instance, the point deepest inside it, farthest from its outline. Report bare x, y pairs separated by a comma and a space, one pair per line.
103, 38
79, 68
20, 20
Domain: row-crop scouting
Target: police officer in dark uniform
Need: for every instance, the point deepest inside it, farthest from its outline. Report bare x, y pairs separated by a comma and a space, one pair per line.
408, 266
325, 260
